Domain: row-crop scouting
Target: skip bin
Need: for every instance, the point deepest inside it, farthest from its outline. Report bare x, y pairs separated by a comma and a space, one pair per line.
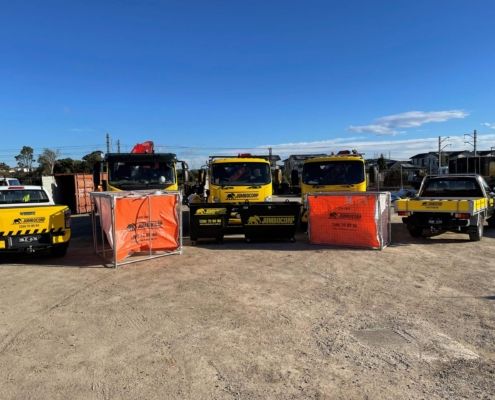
270, 221
207, 221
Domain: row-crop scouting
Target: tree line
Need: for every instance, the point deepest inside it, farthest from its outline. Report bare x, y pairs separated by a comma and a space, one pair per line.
49, 162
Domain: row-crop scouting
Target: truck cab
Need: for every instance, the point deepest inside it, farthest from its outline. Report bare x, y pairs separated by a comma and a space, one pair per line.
141, 169
343, 172
239, 179
134, 171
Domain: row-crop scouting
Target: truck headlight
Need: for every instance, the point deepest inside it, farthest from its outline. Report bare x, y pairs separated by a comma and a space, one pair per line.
268, 198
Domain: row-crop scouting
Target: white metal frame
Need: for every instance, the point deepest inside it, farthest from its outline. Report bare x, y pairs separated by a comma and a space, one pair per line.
107, 252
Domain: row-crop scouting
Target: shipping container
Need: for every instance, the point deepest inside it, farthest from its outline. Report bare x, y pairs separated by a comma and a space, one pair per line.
73, 190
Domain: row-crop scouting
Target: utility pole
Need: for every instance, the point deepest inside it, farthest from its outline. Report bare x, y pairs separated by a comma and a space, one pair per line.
474, 137
270, 155
440, 148
118, 145
108, 143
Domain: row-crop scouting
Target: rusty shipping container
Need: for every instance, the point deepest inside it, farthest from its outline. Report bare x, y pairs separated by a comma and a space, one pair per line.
74, 190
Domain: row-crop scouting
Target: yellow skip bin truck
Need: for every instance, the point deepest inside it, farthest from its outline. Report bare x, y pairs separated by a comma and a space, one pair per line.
341, 172
239, 200
239, 179
141, 169
30, 221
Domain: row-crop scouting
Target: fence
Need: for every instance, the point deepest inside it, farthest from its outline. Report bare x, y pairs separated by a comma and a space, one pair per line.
135, 226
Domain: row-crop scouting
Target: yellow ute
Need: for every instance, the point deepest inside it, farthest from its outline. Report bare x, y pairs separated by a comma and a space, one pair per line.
457, 203
29, 221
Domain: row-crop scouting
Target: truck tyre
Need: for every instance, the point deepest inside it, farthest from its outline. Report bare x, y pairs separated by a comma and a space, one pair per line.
59, 250
476, 232
415, 231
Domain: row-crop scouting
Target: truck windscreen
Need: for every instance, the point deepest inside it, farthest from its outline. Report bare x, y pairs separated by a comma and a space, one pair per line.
333, 173
241, 174
451, 187
140, 175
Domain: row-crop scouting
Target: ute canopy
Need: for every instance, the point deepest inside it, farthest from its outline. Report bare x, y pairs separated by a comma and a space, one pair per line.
445, 186
333, 172
241, 173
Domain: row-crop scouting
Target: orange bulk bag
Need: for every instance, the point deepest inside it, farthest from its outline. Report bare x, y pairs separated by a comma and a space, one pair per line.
144, 224
346, 220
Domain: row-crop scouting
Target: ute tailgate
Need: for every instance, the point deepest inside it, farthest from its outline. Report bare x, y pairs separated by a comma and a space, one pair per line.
471, 206
26, 220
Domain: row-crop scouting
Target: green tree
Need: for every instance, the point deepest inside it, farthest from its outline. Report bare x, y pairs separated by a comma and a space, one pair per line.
47, 160
81, 166
4, 167
382, 164
91, 159
25, 158
64, 166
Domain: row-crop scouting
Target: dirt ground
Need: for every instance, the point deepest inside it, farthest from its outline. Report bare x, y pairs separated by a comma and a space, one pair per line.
253, 321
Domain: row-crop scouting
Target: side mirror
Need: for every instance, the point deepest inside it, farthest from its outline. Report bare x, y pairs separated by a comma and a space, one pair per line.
185, 171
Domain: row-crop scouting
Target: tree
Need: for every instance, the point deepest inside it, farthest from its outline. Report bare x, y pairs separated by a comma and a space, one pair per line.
4, 167
64, 166
382, 164
25, 158
91, 159
47, 160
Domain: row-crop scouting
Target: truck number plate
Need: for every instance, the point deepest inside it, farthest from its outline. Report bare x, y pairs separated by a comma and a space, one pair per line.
433, 221
28, 239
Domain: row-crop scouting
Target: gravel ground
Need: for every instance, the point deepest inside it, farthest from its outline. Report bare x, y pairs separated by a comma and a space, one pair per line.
253, 321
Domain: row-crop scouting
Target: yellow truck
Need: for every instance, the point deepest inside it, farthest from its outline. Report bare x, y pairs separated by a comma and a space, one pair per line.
458, 203
239, 179
239, 201
341, 172
30, 221
141, 169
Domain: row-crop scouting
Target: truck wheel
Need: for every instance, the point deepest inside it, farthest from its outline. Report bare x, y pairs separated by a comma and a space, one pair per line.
415, 231
476, 232
59, 250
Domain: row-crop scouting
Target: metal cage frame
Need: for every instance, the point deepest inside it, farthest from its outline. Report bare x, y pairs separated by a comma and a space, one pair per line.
100, 243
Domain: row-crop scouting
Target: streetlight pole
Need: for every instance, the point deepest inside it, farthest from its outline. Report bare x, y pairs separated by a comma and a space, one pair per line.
440, 148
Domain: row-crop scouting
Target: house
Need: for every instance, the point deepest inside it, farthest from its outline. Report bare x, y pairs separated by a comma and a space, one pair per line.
427, 161
293, 167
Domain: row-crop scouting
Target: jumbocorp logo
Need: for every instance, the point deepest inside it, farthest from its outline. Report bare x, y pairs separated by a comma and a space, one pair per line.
431, 203
344, 215
33, 220
271, 220
241, 196
144, 225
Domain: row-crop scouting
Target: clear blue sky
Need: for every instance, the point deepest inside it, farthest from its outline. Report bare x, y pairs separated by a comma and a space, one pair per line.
241, 74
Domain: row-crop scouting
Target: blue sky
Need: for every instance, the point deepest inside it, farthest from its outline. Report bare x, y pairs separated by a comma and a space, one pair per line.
202, 77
